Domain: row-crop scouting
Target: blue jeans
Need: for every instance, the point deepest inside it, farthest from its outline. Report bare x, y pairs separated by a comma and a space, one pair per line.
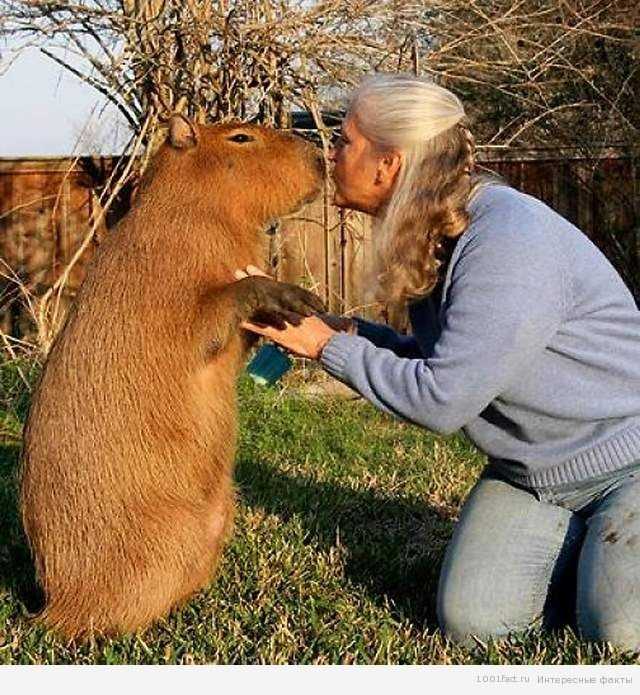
563, 555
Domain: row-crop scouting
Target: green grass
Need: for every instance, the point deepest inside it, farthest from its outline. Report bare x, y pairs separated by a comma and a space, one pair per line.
343, 518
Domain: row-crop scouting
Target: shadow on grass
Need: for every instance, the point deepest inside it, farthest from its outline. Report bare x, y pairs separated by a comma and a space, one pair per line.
17, 574
395, 546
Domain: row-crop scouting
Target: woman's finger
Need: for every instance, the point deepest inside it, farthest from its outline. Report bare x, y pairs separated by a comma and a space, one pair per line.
260, 329
240, 274
253, 270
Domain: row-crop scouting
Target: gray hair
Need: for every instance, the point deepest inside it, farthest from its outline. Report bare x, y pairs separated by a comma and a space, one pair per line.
403, 113
426, 124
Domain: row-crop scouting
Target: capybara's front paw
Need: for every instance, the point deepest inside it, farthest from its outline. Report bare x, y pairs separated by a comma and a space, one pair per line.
264, 300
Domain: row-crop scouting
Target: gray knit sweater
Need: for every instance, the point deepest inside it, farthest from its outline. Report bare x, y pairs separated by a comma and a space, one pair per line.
534, 351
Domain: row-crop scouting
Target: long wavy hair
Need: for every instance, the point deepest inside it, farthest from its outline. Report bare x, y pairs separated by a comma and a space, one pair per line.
416, 230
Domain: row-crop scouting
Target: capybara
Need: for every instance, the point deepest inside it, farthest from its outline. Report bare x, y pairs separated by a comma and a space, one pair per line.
126, 487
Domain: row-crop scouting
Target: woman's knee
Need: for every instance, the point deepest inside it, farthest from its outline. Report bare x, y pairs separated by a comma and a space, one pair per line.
608, 595
608, 606
487, 609
500, 564
462, 618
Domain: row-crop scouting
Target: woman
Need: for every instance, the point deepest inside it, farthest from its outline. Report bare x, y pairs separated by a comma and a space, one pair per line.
524, 336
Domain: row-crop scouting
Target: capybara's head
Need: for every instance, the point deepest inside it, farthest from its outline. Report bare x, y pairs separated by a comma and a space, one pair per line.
245, 170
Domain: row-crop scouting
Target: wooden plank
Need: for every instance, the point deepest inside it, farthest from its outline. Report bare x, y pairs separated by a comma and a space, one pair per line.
335, 234
359, 268
296, 232
313, 247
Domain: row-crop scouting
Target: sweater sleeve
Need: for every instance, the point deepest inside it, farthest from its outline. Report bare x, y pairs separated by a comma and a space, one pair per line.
505, 301
385, 337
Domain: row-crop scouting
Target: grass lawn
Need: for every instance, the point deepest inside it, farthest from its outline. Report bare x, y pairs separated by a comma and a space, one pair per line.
344, 515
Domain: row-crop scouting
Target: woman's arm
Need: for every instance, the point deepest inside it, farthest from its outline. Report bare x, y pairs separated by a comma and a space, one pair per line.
505, 301
314, 333
379, 334
385, 337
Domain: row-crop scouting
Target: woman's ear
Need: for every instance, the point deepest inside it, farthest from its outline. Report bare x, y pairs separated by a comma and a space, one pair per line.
388, 167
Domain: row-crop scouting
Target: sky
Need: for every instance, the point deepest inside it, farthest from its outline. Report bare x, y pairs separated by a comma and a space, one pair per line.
46, 111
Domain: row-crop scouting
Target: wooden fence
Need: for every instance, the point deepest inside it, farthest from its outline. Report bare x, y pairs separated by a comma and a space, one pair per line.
47, 205
46, 209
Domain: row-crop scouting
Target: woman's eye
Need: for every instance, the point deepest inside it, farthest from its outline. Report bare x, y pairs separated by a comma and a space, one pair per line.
241, 137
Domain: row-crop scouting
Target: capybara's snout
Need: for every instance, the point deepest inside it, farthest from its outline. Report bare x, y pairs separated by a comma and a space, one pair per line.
318, 171
300, 167
310, 156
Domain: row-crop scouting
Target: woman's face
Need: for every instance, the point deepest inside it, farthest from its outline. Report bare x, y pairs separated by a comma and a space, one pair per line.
363, 176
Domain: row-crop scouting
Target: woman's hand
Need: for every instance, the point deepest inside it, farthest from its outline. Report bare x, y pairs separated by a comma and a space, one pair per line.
306, 339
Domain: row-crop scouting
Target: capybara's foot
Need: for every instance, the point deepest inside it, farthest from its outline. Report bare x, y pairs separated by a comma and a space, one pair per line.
266, 301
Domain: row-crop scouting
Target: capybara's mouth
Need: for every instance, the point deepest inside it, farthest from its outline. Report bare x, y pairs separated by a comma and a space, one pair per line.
309, 198
303, 202
312, 196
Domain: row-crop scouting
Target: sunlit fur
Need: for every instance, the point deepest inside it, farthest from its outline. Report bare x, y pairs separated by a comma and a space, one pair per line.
126, 488
425, 123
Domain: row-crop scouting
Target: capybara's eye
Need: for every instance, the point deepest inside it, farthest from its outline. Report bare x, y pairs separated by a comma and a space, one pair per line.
241, 137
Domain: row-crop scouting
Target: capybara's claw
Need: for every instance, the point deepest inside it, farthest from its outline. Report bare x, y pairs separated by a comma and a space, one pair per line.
311, 302
292, 299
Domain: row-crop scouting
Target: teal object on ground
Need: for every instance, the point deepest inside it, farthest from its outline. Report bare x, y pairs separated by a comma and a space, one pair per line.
268, 365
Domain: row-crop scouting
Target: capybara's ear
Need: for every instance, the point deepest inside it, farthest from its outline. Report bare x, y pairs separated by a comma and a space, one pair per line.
182, 132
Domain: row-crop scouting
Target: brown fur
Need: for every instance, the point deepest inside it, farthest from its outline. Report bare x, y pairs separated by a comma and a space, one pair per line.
127, 490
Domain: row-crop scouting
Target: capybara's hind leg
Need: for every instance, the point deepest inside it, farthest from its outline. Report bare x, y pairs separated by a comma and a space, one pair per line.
92, 609
164, 566
175, 582
66, 618
146, 594
220, 519
201, 545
